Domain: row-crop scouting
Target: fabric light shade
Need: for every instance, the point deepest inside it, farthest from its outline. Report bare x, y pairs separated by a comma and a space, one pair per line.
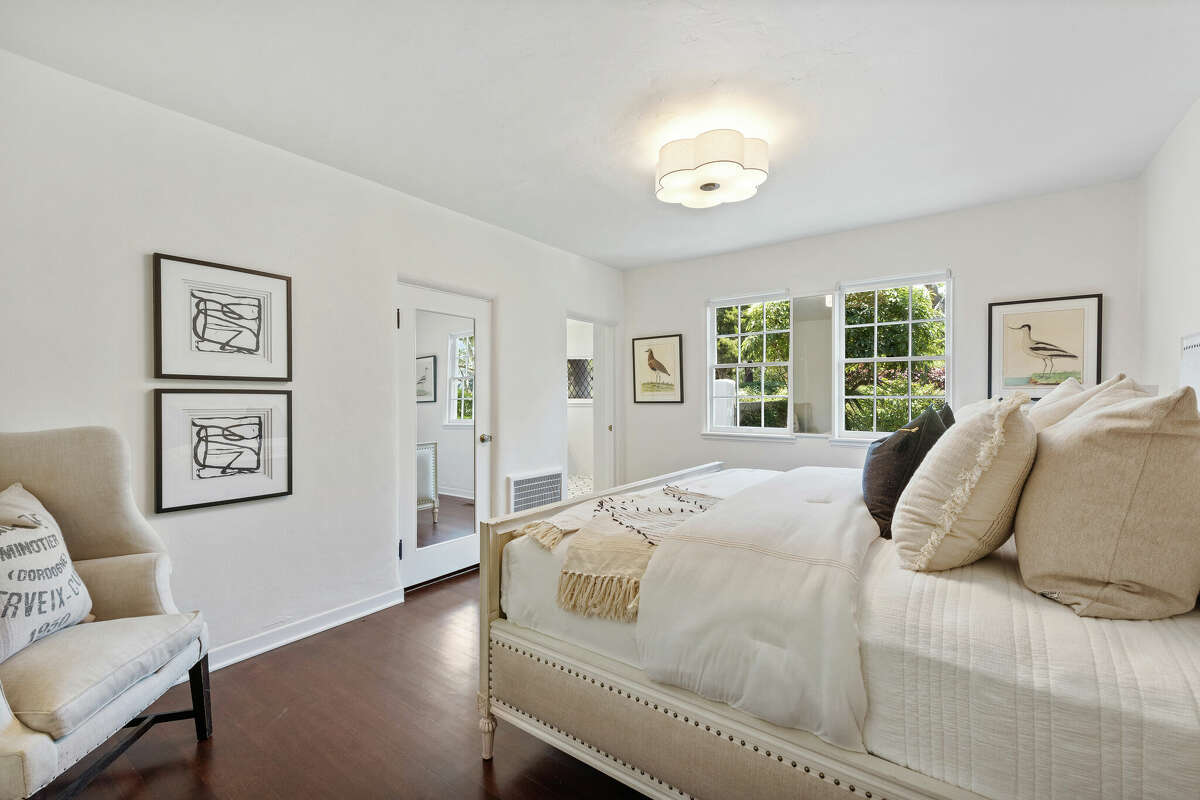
720, 166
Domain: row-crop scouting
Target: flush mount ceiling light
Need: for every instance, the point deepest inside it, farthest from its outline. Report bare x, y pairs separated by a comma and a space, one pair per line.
720, 166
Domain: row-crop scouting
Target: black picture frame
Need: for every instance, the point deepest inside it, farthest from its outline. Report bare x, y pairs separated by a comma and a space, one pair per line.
678, 337
158, 447
432, 399
158, 321
1099, 298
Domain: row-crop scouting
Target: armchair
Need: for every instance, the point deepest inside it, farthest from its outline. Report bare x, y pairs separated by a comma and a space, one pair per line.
64, 695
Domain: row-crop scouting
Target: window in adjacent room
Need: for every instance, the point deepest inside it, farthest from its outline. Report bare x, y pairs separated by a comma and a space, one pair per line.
749, 364
461, 375
893, 355
579, 378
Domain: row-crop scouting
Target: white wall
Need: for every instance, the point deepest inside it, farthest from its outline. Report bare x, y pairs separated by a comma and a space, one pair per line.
1171, 290
812, 359
581, 434
1071, 242
456, 443
95, 181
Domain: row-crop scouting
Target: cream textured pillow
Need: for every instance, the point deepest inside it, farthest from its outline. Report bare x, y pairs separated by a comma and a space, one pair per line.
1119, 392
959, 505
1055, 406
1109, 522
40, 592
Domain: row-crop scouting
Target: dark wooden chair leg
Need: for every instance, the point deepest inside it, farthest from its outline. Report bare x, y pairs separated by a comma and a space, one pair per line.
201, 701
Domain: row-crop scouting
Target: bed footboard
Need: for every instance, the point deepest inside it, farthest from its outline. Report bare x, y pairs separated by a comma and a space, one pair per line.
493, 535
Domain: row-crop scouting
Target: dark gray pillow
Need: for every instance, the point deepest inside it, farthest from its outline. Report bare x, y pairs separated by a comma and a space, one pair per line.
891, 462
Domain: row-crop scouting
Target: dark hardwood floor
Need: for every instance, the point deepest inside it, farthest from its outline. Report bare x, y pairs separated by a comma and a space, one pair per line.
456, 518
383, 707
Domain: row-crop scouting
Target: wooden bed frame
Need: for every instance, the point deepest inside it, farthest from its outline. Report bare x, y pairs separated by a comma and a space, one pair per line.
663, 741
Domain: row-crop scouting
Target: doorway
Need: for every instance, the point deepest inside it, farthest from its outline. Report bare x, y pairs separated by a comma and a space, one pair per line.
444, 430
590, 376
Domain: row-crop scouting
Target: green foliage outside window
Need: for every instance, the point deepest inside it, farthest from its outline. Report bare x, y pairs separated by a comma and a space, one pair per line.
758, 337
903, 323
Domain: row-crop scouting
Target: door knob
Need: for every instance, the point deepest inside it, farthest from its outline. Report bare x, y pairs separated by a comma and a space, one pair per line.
484, 438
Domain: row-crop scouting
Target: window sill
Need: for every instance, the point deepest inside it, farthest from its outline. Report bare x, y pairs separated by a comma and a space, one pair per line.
756, 437
579, 401
848, 442
458, 424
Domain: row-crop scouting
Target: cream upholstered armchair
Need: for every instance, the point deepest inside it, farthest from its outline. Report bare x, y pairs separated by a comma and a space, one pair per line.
66, 694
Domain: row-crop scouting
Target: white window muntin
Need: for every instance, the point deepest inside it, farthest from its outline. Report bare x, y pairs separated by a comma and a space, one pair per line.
839, 345
455, 377
711, 349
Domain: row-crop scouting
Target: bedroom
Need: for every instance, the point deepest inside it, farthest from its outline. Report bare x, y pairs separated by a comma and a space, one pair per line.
502, 163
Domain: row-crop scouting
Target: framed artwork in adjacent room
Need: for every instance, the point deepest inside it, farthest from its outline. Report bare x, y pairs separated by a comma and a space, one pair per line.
220, 322
426, 379
1034, 345
658, 369
213, 446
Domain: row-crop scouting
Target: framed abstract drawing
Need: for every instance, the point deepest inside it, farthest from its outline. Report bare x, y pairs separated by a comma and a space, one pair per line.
426, 379
1034, 345
220, 322
658, 369
213, 446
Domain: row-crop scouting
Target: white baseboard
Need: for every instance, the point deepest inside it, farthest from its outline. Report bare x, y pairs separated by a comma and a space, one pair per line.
465, 494
251, 646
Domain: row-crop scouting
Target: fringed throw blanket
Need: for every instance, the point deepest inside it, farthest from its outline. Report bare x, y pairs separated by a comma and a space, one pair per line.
608, 554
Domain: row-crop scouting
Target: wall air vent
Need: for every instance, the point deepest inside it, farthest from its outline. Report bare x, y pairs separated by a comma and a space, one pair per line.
534, 489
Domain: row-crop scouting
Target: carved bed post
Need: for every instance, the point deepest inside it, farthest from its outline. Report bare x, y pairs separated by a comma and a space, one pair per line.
487, 725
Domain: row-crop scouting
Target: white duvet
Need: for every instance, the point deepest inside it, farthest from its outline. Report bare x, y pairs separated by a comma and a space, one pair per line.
753, 603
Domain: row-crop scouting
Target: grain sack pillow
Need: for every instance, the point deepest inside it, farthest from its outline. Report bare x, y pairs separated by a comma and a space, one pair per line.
960, 503
40, 592
1066, 397
891, 462
1109, 522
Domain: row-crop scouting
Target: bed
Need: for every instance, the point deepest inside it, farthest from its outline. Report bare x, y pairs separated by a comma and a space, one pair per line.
975, 687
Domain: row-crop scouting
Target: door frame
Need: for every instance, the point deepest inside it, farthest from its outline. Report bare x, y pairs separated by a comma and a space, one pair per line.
418, 565
604, 404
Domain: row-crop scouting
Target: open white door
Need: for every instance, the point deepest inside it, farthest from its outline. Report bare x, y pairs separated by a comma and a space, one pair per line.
444, 400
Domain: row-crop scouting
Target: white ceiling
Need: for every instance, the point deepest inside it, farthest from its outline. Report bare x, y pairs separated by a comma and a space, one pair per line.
545, 117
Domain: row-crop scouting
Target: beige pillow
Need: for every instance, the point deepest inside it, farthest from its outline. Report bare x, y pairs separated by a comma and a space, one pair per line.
1119, 392
40, 592
1055, 406
1109, 522
959, 505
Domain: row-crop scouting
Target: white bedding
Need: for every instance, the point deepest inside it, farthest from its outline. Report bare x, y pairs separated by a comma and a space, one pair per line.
1087, 708
752, 603
529, 579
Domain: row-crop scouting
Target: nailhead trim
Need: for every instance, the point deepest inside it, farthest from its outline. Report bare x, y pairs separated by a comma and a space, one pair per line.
636, 699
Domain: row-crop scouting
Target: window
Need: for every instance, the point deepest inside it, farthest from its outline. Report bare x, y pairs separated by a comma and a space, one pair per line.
460, 410
749, 364
580, 373
893, 356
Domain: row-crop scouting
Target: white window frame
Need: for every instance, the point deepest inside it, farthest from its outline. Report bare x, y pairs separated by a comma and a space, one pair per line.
839, 348
711, 429
451, 375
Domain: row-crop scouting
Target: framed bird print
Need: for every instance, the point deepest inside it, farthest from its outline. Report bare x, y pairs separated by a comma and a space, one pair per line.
1034, 345
426, 379
658, 369
213, 321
